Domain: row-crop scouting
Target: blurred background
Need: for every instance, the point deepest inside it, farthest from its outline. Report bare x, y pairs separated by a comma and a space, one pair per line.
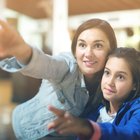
50, 25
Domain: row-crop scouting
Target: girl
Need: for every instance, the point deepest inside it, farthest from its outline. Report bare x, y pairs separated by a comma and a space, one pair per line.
118, 118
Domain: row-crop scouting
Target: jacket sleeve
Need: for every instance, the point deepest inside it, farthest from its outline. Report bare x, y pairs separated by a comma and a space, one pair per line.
41, 66
128, 128
44, 66
11, 65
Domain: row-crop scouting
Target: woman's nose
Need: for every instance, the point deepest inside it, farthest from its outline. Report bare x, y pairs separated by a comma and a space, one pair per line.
89, 52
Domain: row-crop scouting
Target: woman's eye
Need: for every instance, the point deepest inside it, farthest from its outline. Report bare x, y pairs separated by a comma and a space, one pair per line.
82, 45
98, 46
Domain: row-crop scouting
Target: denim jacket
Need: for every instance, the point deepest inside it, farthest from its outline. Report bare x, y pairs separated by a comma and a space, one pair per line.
62, 86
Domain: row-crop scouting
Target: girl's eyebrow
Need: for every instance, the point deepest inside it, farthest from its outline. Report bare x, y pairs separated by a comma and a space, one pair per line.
122, 72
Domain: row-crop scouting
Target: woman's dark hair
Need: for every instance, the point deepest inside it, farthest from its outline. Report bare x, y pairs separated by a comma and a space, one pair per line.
95, 23
132, 57
95, 99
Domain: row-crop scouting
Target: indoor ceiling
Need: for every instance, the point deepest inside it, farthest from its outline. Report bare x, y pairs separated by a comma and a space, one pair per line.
34, 9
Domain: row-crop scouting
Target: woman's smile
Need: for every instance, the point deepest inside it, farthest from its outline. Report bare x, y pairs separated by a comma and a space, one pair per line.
90, 63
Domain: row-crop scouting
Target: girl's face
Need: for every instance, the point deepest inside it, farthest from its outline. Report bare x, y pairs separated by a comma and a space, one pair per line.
91, 51
117, 81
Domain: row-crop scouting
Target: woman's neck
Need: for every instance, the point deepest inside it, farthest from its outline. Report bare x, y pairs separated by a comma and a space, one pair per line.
91, 84
89, 81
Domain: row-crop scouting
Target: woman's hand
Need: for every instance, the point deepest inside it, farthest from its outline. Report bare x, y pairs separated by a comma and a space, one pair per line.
12, 44
66, 123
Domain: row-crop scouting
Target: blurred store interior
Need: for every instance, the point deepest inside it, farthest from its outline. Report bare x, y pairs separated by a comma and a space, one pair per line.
49, 24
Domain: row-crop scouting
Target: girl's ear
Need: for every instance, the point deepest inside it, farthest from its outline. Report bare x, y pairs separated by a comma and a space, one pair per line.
134, 87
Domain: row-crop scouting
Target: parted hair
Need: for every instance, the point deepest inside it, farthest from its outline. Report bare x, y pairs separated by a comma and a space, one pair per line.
103, 25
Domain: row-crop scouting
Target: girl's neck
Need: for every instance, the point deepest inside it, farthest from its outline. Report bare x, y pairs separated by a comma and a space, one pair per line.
113, 108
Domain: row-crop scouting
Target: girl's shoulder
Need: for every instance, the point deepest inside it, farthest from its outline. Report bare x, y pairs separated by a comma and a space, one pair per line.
132, 105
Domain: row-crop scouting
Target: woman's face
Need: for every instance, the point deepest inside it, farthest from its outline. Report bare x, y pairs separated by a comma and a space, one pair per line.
91, 51
117, 81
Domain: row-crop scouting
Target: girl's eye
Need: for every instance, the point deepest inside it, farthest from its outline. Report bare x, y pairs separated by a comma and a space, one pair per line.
120, 77
106, 72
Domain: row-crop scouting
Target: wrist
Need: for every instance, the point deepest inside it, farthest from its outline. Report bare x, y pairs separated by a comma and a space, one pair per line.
87, 131
24, 54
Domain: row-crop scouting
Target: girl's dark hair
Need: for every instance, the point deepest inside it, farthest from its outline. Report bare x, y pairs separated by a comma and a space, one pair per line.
132, 57
95, 23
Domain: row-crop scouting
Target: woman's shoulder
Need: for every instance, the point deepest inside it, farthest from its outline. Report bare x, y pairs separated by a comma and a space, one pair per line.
68, 58
66, 55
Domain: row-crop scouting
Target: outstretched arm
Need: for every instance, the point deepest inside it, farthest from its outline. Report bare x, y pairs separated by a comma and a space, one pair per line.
66, 123
12, 44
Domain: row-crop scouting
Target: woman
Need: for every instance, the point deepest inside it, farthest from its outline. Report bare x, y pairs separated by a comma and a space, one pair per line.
118, 118
69, 81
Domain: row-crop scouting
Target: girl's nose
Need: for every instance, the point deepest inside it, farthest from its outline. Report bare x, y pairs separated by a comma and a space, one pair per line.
111, 81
